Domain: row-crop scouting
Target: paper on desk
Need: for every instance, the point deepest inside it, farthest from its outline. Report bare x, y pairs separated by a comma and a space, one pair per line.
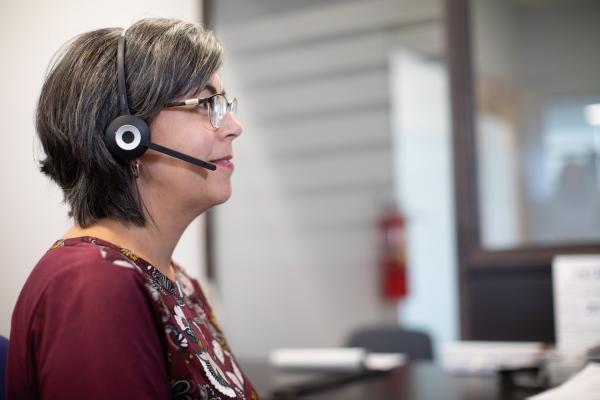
384, 361
323, 358
585, 385
486, 358
339, 359
576, 286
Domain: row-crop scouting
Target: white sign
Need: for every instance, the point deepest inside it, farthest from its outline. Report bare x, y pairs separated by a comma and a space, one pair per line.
576, 282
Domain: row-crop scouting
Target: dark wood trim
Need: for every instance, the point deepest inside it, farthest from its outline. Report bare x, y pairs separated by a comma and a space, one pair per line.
457, 30
208, 15
527, 257
209, 245
209, 225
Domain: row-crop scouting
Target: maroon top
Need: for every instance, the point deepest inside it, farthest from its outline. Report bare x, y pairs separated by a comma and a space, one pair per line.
95, 321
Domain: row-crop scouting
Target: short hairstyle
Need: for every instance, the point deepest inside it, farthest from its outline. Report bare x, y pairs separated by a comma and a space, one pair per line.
166, 59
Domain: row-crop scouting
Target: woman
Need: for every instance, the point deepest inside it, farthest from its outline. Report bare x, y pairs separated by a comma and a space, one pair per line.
106, 313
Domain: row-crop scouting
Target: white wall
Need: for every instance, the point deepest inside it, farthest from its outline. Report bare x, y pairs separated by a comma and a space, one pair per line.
31, 213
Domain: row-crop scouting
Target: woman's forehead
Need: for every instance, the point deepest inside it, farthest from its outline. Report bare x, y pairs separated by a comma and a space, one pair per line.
215, 81
214, 85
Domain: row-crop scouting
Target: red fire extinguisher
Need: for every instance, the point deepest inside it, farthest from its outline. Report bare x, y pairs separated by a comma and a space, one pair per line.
393, 228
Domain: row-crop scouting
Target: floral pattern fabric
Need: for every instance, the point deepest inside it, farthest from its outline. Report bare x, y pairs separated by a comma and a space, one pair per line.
200, 363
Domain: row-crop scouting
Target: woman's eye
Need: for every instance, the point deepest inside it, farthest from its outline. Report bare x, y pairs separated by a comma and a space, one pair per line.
202, 108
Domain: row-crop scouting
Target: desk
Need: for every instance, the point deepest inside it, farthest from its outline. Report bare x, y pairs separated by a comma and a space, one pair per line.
419, 381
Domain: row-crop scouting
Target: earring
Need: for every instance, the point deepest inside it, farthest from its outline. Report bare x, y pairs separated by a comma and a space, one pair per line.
135, 169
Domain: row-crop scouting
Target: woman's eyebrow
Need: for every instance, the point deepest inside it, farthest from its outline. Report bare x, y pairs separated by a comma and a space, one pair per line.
213, 90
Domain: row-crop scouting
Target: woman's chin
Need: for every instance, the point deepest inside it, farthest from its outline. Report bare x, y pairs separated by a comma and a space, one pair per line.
222, 196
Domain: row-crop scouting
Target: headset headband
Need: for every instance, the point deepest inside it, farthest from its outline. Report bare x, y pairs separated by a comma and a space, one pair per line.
121, 76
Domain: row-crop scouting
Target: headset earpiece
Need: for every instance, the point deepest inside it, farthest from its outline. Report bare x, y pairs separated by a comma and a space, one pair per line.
126, 137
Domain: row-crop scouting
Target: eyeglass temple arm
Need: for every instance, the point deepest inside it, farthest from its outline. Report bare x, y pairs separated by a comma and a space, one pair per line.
194, 102
185, 103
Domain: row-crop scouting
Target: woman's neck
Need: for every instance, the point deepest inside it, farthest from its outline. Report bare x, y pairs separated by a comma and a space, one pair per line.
154, 245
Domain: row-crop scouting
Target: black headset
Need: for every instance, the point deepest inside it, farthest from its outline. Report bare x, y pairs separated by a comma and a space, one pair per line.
127, 137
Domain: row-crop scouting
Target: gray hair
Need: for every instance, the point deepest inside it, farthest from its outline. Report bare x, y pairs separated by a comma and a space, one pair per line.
165, 60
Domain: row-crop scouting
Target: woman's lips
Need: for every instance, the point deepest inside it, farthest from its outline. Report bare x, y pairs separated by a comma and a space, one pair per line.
224, 162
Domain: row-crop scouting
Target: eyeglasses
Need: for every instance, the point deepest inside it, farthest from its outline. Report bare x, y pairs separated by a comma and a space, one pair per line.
218, 106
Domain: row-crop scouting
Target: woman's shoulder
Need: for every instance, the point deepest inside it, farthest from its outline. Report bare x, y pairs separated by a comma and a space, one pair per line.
78, 275
78, 267
84, 257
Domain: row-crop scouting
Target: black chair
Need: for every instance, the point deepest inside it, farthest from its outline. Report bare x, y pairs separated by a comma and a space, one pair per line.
3, 360
392, 339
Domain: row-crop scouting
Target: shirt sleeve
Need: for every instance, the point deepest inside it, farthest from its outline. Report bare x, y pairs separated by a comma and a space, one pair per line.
96, 336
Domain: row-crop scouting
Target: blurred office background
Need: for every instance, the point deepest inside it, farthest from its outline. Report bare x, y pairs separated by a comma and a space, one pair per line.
347, 109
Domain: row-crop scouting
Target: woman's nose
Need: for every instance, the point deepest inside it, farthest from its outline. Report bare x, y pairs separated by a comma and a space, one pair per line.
231, 127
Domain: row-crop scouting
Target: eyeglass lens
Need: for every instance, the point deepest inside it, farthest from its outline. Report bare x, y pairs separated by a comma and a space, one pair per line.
219, 107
